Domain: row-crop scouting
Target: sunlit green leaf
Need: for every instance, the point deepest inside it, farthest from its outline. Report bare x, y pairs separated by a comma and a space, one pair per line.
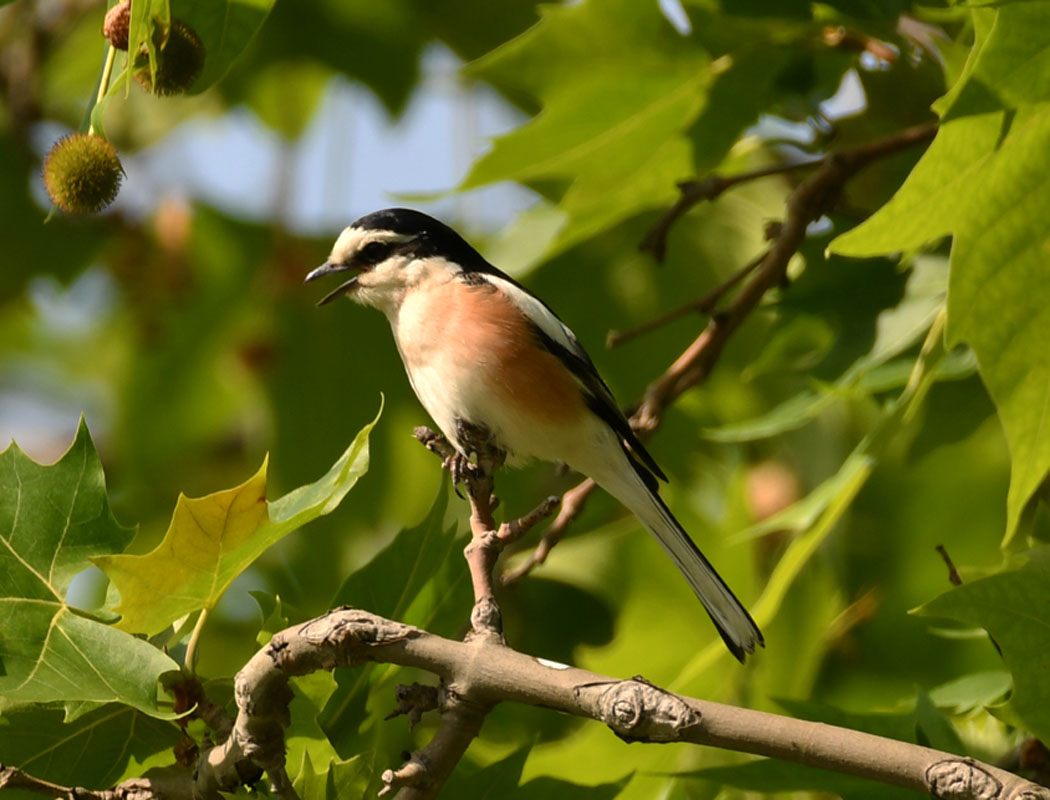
613, 125
52, 520
998, 299
330, 780
972, 691
213, 539
1012, 607
1011, 67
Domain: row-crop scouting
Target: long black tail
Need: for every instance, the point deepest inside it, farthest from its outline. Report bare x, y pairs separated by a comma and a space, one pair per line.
734, 623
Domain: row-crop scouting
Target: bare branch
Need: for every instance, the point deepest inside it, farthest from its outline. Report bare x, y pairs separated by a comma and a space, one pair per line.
953, 573
572, 503
694, 192
705, 305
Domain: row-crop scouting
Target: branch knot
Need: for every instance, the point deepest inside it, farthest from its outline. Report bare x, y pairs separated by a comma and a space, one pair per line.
961, 779
637, 711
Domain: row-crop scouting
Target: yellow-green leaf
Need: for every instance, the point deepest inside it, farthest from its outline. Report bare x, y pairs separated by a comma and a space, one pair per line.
213, 539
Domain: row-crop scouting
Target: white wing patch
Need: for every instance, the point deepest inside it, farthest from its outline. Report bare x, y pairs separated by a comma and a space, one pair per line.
540, 315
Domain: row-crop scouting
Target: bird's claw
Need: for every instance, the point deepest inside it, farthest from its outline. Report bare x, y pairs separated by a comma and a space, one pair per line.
461, 470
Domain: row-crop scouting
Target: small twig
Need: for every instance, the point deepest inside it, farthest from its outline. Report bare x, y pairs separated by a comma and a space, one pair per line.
410, 775
413, 701
190, 659
170, 784
488, 539
510, 532
14, 778
572, 503
705, 305
955, 579
432, 765
711, 187
953, 573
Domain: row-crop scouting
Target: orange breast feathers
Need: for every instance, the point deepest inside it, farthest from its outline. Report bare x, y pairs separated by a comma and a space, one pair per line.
487, 332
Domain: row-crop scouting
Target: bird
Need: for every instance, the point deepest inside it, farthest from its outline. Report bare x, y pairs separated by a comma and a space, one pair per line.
488, 358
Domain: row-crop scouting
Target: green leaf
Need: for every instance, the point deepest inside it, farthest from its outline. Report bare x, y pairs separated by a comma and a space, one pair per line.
213, 539
285, 96
817, 515
1012, 606
94, 751
933, 729
420, 578
225, 27
148, 26
53, 519
501, 779
790, 415
977, 690
1012, 66
986, 181
887, 326
498, 779
619, 88
331, 780
770, 775
547, 788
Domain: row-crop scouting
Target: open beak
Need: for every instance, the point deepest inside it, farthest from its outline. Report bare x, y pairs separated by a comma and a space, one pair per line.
328, 268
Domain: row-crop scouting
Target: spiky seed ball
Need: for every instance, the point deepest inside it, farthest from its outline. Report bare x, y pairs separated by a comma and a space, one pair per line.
82, 173
178, 64
116, 25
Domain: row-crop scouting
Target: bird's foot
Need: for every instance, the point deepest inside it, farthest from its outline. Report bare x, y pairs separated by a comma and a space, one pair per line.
461, 469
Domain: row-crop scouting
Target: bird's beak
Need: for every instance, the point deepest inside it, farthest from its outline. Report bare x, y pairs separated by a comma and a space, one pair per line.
328, 268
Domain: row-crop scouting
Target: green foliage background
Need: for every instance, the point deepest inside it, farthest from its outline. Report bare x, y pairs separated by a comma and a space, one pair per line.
839, 440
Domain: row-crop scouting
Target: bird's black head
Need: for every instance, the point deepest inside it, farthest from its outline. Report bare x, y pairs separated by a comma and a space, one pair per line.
423, 236
387, 248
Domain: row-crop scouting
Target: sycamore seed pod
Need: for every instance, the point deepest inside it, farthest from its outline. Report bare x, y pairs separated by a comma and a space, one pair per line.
117, 23
179, 63
82, 173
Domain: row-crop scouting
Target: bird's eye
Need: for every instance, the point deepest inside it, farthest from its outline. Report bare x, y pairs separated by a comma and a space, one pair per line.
374, 252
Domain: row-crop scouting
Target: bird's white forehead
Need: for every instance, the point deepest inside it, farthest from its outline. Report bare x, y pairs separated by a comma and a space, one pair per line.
353, 239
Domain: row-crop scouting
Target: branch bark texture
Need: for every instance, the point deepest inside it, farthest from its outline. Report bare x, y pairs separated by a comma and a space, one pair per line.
481, 673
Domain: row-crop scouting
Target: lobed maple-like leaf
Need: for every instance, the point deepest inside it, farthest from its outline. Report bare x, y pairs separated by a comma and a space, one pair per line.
1012, 607
985, 180
213, 539
53, 519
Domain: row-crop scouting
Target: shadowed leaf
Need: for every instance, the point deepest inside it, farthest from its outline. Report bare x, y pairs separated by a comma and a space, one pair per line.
52, 520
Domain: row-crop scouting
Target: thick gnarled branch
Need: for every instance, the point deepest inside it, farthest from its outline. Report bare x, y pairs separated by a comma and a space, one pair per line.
483, 672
